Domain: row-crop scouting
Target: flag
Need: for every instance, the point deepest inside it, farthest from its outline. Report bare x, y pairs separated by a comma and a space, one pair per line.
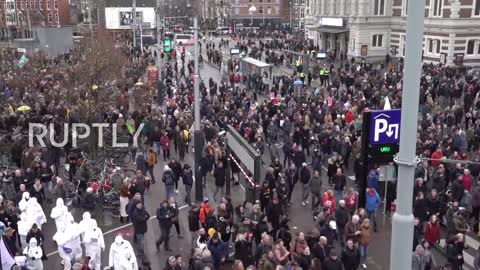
23, 61
7, 259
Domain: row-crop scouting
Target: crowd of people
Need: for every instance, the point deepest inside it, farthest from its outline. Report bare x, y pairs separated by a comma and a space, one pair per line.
295, 136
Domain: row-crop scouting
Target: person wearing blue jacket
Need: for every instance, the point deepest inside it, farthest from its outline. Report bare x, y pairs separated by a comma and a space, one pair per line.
373, 179
373, 201
219, 250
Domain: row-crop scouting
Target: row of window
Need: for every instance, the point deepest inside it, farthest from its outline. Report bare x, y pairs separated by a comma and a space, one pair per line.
433, 46
31, 5
436, 7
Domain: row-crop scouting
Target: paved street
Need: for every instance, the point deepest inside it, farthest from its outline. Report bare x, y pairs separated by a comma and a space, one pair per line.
301, 216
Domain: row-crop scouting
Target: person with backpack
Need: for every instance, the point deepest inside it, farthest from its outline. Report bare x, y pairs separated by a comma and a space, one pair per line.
169, 180
205, 210
151, 161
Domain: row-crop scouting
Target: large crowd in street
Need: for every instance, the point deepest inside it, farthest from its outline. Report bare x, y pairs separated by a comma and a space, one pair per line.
297, 136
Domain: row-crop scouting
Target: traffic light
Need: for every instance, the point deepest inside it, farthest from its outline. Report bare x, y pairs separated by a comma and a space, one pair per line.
167, 45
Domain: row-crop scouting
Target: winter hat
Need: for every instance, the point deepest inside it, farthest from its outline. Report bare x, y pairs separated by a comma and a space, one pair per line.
171, 259
166, 168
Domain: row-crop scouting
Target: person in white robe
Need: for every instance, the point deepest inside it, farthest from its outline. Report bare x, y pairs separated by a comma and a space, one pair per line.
122, 256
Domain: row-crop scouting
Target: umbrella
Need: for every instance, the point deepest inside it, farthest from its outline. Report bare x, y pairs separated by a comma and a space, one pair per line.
297, 83
24, 108
139, 84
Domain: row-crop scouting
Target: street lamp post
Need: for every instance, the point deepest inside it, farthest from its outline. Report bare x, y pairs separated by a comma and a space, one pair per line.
252, 11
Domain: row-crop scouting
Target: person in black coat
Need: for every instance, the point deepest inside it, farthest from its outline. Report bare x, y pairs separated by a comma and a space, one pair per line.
36, 233
164, 217
321, 249
330, 232
188, 182
332, 262
220, 175
455, 251
139, 218
350, 256
193, 224
341, 218
89, 200
274, 211
243, 249
420, 209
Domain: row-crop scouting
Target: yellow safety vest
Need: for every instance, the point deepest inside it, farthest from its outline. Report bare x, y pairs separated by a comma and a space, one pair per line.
326, 72
322, 72
297, 63
302, 75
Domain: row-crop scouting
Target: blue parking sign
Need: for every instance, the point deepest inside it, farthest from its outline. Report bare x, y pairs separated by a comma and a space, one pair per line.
385, 127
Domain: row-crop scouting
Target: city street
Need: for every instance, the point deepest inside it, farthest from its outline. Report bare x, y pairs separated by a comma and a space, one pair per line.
300, 216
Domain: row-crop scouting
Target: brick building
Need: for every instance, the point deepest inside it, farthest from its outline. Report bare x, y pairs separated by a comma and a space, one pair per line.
373, 28
270, 14
17, 17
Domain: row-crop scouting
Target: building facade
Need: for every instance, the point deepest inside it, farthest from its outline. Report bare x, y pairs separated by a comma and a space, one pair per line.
119, 15
269, 14
18, 17
373, 28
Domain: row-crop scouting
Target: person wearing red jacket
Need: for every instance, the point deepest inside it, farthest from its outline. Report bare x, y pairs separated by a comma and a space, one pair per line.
329, 196
436, 156
467, 180
351, 201
432, 231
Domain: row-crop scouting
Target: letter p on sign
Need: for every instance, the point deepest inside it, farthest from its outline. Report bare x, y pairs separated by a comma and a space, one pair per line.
381, 126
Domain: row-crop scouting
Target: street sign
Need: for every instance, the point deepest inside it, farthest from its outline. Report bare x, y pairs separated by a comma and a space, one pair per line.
22, 50
146, 25
385, 127
167, 45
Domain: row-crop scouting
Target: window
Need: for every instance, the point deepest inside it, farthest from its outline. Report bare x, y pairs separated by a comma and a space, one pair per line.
41, 5
260, 10
476, 11
35, 5
377, 41
352, 41
436, 8
405, 7
379, 7
302, 14
473, 47
49, 18
269, 11
434, 46
48, 4
55, 5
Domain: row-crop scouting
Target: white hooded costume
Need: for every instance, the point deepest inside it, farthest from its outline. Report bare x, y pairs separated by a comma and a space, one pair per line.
93, 240
60, 214
24, 225
68, 241
34, 255
35, 212
22, 205
121, 255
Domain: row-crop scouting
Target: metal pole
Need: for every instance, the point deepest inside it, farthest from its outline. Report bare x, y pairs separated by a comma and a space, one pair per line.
197, 136
402, 228
159, 39
89, 10
134, 20
141, 37
29, 23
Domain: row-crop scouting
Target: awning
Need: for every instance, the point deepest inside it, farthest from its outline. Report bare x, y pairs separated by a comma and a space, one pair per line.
330, 30
256, 62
